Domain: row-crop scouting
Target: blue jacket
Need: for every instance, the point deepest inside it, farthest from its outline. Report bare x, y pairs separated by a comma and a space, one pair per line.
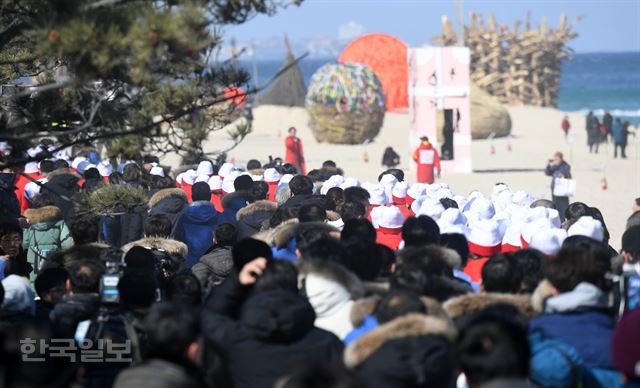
232, 203
618, 134
563, 170
370, 323
196, 228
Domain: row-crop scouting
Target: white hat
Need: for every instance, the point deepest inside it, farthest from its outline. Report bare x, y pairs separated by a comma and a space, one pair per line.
503, 200
484, 237
215, 183
482, 208
452, 221
76, 161
416, 190
378, 197
587, 226
532, 227
550, 214
460, 200
61, 155
159, 171
83, 166
227, 182
178, 178
497, 189
189, 177
443, 192
400, 190
430, 207
387, 181
205, 168
333, 181
388, 217
202, 178
256, 178
5, 148
548, 241
271, 175
350, 182
522, 198
32, 189
31, 167
105, 168
225, 169
34, 151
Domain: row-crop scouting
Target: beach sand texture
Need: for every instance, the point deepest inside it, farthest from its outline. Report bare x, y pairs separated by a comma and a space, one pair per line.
536, 135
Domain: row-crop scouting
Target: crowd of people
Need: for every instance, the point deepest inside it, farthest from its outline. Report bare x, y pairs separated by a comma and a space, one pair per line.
605, 130
220, 275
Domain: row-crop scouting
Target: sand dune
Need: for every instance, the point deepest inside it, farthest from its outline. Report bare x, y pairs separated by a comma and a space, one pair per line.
536, 135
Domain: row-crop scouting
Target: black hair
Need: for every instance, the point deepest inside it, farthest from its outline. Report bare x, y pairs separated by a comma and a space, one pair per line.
51, 279
357, 194
148, 159
637, 200
116, 178
458, 242
396, 172
10, 227
141, 258
575, 211
358, 229
131, 172
277, 275
92, 173
398, 303
421, 230
321, 376
283, 214
165, 182
171, 328
352, 211
329, 164
253, 164
247, 250
84, 276
184, 288
532, 262
157, 225
137, 288
258, 191
225, 235
580, 259
85, 229
201, 191
363, 258
60, 163
597, 214
502, 273
46, 166
288, 168
388, 257
543, 203
316, 176
335, 197
448, 203
489, 348
312, 212
243, 183
301, 185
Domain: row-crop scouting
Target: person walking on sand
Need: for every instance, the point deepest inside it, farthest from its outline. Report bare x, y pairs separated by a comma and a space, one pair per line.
557, 168
593, 132
566, 125
427, 158
295, 151
607, 123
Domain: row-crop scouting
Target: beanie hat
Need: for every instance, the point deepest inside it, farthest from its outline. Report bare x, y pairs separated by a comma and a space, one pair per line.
333, 181
452, 221
400, 190
18, 296
429, 207
587, 226
242, 183
378, 196
189, 177
31, 168
201, 192
286, 178
105, 168
215, 183
226, 169
271, 175
548, 240
202, 178
159, 171
484, 238
227, 182
532, 227
350, 182
521, 198
205, 168
482, 209
32, 189
76, 161
442, 193
388, 217
387, 181
631, 240
625, 344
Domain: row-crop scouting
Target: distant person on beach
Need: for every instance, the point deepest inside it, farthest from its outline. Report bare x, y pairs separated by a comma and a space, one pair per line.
390, 158
634, 219
566, 125
593, 132
557, 168
295, 151
607, 123
427, 158
621, 137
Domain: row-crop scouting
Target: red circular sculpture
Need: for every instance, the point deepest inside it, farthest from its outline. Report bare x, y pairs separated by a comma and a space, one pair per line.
387, 57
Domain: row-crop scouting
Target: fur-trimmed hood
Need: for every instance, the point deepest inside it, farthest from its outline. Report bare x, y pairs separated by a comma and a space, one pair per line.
411, 325
467, 304
285, 232
43, 214
236, 196
449, 255
366, 306
170, 246
167, 193
256, 208
63, 171
336, 273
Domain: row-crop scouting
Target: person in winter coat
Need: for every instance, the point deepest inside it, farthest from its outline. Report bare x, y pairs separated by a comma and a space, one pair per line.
576, 306
171, 203
47, 233
197, 224
390, 158
18, 306
50, 285
295, 152
607, 123
9, 205
254, 218
32, 171
593, 132
64, 185
634, 218
263, 327
620, 138
331, 290
428, 159
557, 168
13, 259
123, 209
217, 262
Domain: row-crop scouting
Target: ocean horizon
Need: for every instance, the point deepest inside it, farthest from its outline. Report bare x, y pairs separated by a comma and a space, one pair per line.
598, 82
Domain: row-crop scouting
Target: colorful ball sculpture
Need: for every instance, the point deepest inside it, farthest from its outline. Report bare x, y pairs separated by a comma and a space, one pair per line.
345, 103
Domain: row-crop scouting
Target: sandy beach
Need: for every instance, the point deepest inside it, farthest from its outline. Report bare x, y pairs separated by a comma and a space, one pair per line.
536, 135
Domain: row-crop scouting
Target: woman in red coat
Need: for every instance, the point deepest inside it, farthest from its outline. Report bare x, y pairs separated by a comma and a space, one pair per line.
295, 152
427, 158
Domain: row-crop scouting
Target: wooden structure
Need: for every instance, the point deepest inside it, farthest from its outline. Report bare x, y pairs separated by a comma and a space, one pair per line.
518, 66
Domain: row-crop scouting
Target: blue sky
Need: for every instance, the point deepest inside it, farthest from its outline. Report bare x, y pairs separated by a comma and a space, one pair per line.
325, 26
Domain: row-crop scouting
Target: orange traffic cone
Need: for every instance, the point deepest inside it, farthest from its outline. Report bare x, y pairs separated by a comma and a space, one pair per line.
603, 184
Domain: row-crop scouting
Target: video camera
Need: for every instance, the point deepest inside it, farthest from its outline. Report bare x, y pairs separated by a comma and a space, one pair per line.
109, 293
630, 287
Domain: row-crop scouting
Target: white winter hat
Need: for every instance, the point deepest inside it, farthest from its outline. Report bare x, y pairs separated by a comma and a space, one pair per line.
587, 226
503, 200
286, 178
484, 237
388, 179
83, 166
159, 171
227, 182
205, 168
497, 189
429, 207
189, 177
400, 190
271, 175
522, 198
460, 200
443, 192
202, 178
350, 182
333, 181
178, 178
225, 169
416, 191
34, 151
105, 168
215, 183
532, 227
378, 197
31, 167
452, 221
482, 208
550, 214
76, 161
548, 241
32, 189
388, 217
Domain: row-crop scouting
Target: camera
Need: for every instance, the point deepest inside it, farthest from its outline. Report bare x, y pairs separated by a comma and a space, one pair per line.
109, 293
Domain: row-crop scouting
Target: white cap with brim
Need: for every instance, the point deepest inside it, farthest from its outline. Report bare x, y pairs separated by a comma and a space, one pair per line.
215, 183
271, 175
548, 241
105, 168
388, 217
31, 168
205, 168
159, 171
